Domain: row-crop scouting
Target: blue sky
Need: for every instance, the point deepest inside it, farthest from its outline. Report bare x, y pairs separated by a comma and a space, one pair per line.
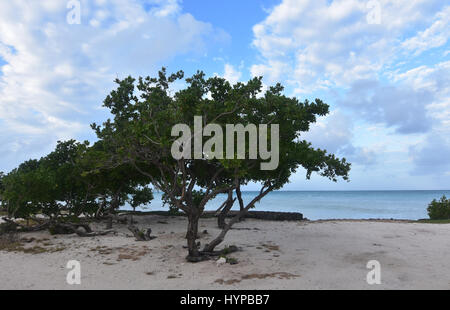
383, 66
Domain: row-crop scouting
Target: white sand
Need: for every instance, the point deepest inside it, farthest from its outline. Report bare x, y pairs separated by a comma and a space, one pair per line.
311, 255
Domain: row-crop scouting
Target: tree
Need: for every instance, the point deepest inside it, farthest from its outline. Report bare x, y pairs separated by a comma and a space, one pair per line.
71, 181
140, 196
72, 193
50, 186
26, 190
144, 113
439, 209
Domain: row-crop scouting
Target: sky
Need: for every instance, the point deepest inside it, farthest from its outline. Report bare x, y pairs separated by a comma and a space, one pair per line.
382, 65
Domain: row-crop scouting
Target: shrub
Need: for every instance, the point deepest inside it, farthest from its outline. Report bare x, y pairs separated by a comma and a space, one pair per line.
439, 209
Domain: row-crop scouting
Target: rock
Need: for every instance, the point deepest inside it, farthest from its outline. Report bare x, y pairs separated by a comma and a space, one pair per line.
205, 232
221, 261
232, 260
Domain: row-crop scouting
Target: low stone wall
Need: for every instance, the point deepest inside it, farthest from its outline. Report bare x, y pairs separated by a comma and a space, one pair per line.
271, 216
260, 215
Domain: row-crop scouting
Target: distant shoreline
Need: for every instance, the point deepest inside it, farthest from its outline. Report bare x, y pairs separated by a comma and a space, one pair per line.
288, 216
315, 205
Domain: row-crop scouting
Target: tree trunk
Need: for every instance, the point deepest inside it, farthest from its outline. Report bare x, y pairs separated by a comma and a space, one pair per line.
113, 207
212, 245
241, 201
239, 196
67, 228
101, 208
191, 236
223, 214
109, 223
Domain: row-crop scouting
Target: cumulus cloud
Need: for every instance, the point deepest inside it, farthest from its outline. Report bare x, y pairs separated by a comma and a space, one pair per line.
399, 107
335, 133
55, 74
434, 36
320, 44
373, 70
231, 74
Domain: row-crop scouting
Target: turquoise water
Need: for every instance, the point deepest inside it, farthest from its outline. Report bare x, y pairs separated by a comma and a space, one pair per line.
337, 204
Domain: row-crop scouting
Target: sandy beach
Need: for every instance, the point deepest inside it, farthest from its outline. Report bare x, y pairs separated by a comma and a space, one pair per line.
273, 255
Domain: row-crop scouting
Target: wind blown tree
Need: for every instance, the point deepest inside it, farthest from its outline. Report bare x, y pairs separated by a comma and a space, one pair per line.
144, 113
22, 190
71, 182
51, 186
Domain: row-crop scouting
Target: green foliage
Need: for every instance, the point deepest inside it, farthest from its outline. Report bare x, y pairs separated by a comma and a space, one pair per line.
115, 184
26, 189
72, 180
49, 185
140, 196
167, 201
439, 209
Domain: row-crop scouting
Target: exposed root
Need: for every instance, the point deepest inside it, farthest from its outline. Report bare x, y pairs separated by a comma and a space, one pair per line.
14, 226
141, 235
68, 228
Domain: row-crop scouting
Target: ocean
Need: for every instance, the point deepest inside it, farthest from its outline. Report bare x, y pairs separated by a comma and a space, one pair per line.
316, 205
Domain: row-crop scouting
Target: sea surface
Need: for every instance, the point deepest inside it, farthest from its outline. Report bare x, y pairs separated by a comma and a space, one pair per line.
316, 205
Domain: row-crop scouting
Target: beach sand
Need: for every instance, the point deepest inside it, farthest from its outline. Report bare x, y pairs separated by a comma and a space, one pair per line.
274, 255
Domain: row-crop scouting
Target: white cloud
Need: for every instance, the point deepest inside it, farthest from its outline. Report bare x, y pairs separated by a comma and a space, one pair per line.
431, 156
400, 107
317, 44
371, 71
335, 133
166, 7
56, 75
435, 36
231, 74
436, 81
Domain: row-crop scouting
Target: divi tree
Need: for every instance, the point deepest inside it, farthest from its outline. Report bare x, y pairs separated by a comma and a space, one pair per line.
75, 179
150, 128
49, 185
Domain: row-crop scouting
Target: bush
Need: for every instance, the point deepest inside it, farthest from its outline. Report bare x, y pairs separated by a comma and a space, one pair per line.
439, 210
